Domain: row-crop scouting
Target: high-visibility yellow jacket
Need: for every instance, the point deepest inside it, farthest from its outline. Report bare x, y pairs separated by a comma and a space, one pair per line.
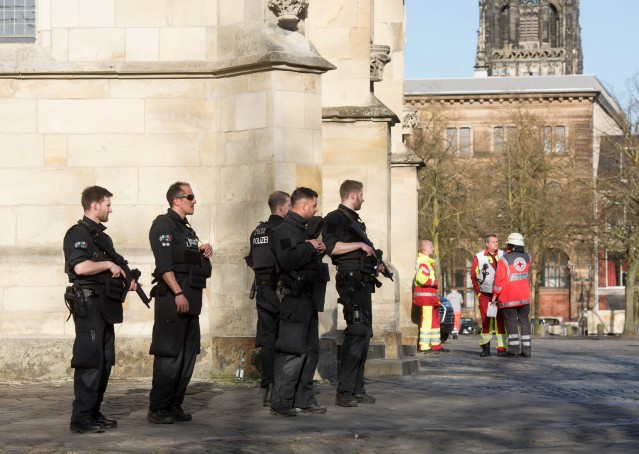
425, 284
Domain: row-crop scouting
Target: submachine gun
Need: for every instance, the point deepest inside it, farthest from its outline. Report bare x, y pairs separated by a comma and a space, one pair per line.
131, 274
356, 229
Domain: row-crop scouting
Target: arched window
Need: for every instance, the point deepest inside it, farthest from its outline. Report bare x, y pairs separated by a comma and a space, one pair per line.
553, 27
504, 26
555, 273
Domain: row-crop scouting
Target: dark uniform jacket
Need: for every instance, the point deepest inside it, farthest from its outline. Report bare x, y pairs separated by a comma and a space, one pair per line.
298, 260
337, 227
79, 246
176, 248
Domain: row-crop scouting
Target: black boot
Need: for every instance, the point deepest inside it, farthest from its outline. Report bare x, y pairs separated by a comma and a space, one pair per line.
485, 350
268, 392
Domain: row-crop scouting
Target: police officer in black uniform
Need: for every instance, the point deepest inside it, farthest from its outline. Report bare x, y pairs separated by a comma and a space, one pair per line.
300, 289
262, 260
95, 300
182, 266
355, 280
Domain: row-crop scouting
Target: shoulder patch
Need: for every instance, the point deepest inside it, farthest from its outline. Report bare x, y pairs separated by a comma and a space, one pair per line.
165, 240
81, 245
285, 243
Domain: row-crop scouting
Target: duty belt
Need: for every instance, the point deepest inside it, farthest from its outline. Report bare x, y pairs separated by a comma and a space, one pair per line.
89, 292
264, 282
358, 276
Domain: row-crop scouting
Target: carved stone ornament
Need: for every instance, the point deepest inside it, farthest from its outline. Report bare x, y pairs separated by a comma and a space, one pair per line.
410, 121
288, 12
379, 57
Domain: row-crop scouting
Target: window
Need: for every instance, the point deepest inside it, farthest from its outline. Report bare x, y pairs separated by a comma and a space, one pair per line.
464, 141
529, 26
547, 139
612, 270
560, 139
17, 20
501, 135
498, 139
458, 140
556, 272
451, 138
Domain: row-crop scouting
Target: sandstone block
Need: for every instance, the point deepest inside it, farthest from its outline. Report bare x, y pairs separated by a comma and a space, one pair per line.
180, 115
60, 44
66, 183
142, 44
90, 116
8, 231
31, 324
21, 150
361, 43
96, 13
62, 89
18, 116
160, 88
64, 14
140, 13
231, 12
105, 150
182, 44
55, 150
298, 145
334, 13
103, 44
250, 110
187, 13
333, 44
289, 109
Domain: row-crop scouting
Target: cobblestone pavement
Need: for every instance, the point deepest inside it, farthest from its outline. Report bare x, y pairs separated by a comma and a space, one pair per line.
574, 395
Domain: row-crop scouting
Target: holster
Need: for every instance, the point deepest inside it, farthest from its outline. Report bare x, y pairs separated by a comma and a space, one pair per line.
111, 301
75, 302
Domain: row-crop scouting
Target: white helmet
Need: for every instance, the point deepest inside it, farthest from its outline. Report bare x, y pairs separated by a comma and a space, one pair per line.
515, 239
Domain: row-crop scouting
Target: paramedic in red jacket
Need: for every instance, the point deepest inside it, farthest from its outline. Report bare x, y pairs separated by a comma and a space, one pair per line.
512, 293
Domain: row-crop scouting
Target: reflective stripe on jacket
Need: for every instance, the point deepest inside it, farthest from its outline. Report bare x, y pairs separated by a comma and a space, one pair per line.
425, 284
511, 280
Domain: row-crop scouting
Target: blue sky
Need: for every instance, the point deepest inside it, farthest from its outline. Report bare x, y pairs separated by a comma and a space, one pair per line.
442, 39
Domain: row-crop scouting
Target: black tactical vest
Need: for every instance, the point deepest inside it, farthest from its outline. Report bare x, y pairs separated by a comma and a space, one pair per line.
261, 257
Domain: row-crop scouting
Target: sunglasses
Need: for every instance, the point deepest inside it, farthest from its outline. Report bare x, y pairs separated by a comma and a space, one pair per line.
188, 197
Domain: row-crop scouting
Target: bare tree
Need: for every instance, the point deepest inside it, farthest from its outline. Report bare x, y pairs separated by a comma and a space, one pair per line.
618, 193
538, 188
446, 213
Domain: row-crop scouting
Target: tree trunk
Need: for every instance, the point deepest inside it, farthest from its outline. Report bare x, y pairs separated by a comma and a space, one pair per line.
629, 297
536, 299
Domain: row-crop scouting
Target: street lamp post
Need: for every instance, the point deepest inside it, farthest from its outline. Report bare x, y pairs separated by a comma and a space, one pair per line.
582, 300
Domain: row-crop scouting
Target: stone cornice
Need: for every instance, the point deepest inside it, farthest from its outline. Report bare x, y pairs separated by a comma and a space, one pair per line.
375, 110
406, 159
478, 100
262, 49
189, 69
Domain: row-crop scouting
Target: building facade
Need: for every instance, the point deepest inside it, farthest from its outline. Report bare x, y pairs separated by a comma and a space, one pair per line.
237, 97
577, 112
528, 38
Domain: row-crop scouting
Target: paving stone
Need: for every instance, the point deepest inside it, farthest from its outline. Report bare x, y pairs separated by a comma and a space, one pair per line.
574, 395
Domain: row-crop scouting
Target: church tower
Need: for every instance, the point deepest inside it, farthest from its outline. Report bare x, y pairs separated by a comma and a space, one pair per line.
528, 38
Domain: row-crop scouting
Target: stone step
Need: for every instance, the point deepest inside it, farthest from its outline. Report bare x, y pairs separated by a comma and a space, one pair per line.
409, 350
392, 367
